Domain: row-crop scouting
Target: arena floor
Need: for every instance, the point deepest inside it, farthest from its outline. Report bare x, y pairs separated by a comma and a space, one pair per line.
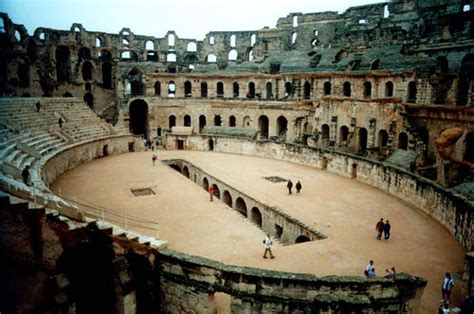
345, 210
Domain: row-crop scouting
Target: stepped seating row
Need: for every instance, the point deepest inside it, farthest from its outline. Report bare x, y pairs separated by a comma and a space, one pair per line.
81, 132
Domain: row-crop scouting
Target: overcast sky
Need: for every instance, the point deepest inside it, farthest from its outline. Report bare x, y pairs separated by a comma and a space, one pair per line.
188, 18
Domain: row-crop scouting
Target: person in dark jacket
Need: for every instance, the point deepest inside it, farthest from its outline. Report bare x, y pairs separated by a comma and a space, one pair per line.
386, 230
26, 174
289, 185
298, 187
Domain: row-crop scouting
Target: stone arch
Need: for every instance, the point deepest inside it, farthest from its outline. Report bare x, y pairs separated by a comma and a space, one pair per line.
469, 147
188, 89
257, 216
466, 77
157, 87
382, 139
202, 122
375, 65
241, 206
186, 171
411, 94
362, 140
302, 238
171, 121
327, 88
205, 184
288, 89
343, 135
217, 192
86, 71
62, 64
171, 89
367, 89
139, 117
235, 89
389, 89
232, 56
217, 120
203, 90
268, 88
89, 99
187, 120
307, 90
282, 127
211, 58
403, 141
346, 89
220, 89
263, 126
192, 46
227, 198
232, 121
246, 122
210, 144
251, 90
325, 134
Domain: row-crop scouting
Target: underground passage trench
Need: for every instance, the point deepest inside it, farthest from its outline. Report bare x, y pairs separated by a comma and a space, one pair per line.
270, 219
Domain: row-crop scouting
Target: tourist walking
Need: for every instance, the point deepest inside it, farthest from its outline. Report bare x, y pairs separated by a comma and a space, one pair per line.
26, 174
289, 185
386, 230
298, 187
267, 243
379, 228
447, 287
211, 192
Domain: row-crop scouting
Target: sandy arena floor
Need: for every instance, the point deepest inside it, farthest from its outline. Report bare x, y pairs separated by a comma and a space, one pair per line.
343, 209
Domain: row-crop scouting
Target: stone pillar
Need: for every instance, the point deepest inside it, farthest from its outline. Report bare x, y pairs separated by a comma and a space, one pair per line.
371, 133
333, 131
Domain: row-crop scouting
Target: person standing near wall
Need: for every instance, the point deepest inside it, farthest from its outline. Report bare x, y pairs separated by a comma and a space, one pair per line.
289, 185
211, 192
267, 242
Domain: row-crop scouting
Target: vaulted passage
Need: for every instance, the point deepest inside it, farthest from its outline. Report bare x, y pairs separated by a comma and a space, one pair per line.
241, 206
139, 117
62, 64
263, 127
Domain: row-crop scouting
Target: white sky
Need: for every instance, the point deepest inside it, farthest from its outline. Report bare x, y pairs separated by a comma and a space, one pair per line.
188, 18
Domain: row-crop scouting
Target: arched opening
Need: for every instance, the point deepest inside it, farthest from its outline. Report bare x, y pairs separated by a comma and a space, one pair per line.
211, 144
203, 90
268, 88
232, 121
411, 97
253, 39
89, 99
84, 54
282, 127
343, 135
367, 90
251, 90
327, 88
187, 89
87, 71
235, 89
202, 122
382, 139
136, 88
217, 192
362, 140
186, 171
106, 58
192, 47
403, 141
187, 120
217, 120
257, 216
389, 89
424, 136
307, 90
62, 64
263, 127
232, 56
325, 131
227, 198
205, 184
466, 77
246, 122
346, 89
171, 57
288, 89
157, 87
171, 89
139, 117
220, 90
469, 149
211, 58
171, 121
301, 239
241, 206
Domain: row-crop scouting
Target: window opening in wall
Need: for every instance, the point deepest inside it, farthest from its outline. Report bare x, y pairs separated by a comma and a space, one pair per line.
180, 144
314, 42
466, 7
278, 231
257, 216
411, 92
203, 90
325, 133
171, 39
87, 71
295, 21
232, 55
202, 122
235, 89
171, 121
125, 42
17, 36
152, 56
389, 89
327, 88
128, 88
403, 141
191, 67
288, 89
307, 90
220, 90
246, 122
77, 29
386, 12
362, 140
217, 120
171, 89
316, 32
367, 90
42, 36
293, 37
232, 121
263, 127
187, 89
253, 39
363, 21
98, 42
346, 89
157, 88
125, 55
251, 90
251, 55
187, 120
211, 40
149, 45
192, 47
375, 64
171, 57
343, 135
269, 90
211, 58
282, 127
232, 40
382, 139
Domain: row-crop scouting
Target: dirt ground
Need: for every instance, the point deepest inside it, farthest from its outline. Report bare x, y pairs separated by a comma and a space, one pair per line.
345, 210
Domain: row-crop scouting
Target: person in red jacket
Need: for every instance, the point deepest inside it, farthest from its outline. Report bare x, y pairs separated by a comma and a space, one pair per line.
379, 228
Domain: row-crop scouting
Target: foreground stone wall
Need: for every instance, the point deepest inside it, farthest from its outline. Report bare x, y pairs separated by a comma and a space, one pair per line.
452, 210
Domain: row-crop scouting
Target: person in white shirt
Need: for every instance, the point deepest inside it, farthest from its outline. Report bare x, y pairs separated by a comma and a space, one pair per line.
267, 243
447, 287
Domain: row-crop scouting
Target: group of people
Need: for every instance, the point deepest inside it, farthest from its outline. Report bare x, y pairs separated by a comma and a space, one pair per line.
383, 227
148, 144
370, 270
289, 186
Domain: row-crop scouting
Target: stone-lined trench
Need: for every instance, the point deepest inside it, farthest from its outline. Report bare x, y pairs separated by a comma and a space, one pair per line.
270, 219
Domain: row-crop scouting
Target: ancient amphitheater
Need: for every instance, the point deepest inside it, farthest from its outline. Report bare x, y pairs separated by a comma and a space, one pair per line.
371, 109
